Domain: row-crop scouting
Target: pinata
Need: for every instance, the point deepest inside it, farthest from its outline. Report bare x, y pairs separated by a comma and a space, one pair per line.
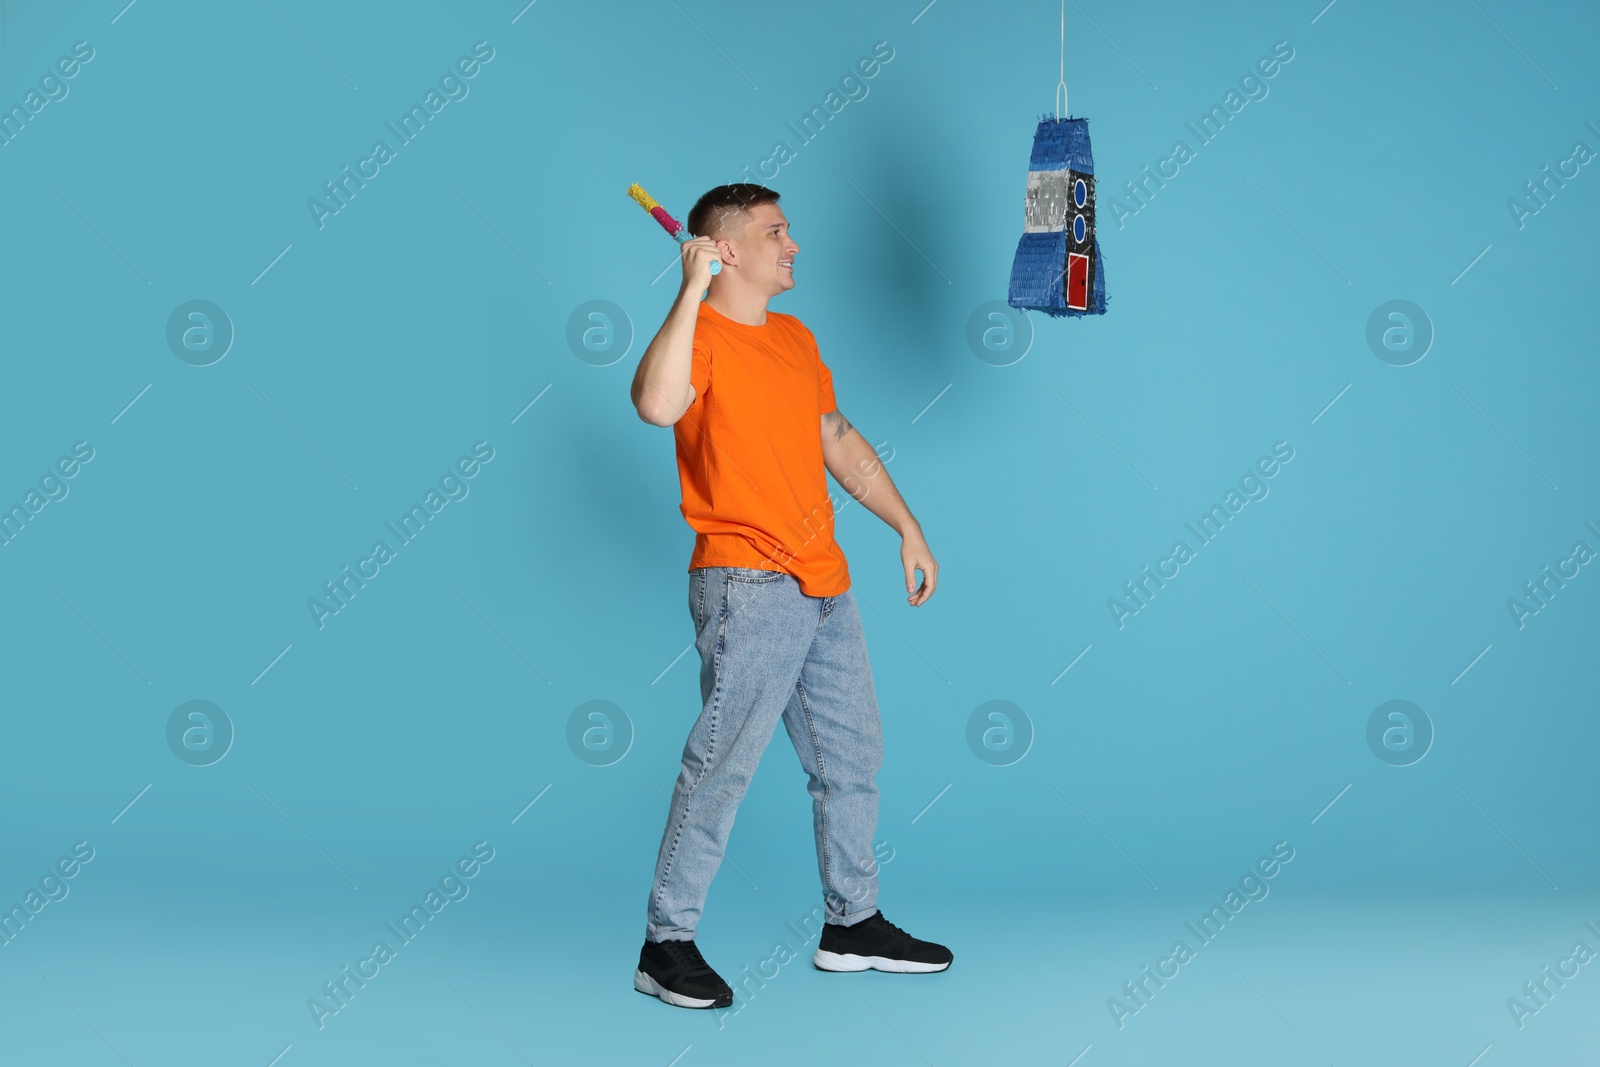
1058, 268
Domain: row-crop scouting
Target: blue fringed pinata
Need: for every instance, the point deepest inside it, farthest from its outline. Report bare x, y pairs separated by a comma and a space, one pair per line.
1058, 268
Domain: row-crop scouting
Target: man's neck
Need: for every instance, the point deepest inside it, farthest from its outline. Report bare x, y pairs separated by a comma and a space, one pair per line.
748, 308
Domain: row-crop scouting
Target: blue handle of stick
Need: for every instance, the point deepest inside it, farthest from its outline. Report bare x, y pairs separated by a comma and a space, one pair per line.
683, 238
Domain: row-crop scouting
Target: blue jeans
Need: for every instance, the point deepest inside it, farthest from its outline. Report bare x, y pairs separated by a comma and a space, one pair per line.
767, 651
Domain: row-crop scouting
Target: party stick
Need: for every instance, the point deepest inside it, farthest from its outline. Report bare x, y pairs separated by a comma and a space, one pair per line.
668, 223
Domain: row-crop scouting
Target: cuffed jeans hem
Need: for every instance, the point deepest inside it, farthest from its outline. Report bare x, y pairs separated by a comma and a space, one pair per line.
652, 933
852, 918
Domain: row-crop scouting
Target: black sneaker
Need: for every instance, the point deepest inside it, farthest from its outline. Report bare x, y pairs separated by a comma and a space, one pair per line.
677, 973
877, 943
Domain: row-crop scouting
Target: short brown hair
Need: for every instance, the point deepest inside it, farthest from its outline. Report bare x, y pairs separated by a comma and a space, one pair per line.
714, 211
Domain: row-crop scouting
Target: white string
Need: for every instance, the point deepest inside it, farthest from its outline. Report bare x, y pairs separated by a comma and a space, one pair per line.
1061, 89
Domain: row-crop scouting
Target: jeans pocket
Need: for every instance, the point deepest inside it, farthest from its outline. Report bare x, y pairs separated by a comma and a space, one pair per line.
752, 574
697, 598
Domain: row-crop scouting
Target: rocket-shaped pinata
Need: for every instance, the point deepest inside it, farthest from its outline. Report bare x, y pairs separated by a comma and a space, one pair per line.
1058, 268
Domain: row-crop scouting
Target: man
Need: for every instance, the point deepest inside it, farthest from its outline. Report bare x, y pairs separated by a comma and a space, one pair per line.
755, 424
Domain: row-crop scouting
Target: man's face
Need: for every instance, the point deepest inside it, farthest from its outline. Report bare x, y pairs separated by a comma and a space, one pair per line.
765, 250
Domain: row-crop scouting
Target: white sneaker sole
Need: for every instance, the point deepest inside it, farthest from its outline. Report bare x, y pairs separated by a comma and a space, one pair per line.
849, 961
645, 984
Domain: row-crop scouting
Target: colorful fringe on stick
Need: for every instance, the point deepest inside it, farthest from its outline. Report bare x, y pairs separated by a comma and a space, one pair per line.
668, 223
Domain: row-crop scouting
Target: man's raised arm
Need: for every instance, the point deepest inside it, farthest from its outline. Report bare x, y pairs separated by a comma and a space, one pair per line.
661, 391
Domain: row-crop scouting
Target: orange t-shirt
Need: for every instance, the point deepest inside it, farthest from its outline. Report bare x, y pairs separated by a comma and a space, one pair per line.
755, 489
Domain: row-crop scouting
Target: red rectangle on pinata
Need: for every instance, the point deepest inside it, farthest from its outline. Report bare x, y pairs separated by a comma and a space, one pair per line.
1077, 280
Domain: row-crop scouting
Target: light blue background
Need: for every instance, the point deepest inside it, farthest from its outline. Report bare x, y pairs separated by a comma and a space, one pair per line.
430, 311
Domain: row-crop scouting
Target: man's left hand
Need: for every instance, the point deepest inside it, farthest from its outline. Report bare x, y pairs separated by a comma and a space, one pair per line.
914, 555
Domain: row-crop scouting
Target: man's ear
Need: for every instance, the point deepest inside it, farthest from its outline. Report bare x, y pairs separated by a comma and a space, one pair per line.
725, 251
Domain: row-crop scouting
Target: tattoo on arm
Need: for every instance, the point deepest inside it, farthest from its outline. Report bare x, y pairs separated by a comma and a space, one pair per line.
839, 424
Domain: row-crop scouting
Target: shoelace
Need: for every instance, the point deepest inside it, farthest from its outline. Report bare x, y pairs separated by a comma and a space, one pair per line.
878, 920
685, 956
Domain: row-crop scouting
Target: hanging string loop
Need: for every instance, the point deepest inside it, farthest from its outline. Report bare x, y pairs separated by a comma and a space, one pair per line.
1061, 88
